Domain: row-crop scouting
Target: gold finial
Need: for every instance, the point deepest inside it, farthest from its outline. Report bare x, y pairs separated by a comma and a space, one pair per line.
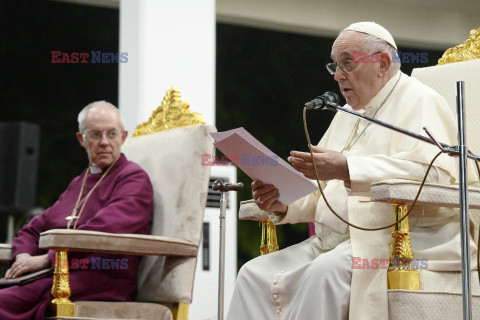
400, 274
172, 113
269, 238
470, 50
61, 306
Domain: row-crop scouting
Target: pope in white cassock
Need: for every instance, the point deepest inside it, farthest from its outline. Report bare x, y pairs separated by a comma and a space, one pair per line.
315, 279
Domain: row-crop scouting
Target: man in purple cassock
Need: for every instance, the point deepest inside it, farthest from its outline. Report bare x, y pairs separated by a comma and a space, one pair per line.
112, 195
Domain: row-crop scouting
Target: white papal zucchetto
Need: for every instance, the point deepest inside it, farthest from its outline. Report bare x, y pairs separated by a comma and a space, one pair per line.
373, 29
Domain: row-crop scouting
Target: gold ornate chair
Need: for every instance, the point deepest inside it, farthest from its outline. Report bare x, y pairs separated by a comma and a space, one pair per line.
422, 294
168, 147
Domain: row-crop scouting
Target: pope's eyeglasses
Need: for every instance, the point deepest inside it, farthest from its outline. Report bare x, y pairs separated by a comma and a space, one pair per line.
346, 65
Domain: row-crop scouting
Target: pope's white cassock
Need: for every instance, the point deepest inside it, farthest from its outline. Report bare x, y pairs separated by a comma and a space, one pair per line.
315, 279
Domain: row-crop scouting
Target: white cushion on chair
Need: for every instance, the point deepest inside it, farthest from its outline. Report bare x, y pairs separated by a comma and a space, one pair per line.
98, 310
122, 310
419, 305
134, 244
250, 211
404, 191
440, 297
5, 252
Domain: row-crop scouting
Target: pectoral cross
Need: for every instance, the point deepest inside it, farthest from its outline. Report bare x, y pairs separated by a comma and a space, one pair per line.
71, 218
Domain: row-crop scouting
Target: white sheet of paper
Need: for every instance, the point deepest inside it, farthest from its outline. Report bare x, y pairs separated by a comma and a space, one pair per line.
260, 163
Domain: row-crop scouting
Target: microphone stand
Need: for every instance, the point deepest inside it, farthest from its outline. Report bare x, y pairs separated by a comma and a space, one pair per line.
462, 152
218, 185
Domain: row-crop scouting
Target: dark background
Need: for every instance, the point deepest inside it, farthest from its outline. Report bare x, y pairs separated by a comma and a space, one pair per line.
263, 79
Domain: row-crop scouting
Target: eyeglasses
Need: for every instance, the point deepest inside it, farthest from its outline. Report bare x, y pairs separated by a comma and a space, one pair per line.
346, 65
95, 135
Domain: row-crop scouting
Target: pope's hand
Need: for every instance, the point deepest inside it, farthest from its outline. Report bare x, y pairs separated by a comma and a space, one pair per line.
266, 197
25, 263
330, 164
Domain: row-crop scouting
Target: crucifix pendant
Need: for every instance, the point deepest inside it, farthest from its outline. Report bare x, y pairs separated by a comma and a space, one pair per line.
70, 220
73, 216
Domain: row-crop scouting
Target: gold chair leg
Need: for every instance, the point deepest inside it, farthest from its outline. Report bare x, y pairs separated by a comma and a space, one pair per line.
269, 238
61, 306
180, 311
400, 273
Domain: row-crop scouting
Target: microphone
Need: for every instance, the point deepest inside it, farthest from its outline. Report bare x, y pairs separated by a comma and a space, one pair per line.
322, 102
225, 187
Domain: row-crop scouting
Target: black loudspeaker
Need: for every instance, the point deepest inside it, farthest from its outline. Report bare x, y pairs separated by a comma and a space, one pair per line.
19, 150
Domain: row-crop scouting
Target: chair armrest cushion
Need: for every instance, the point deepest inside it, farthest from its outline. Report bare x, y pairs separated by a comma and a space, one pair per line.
103, 242
404, 191
5, 252
250, 211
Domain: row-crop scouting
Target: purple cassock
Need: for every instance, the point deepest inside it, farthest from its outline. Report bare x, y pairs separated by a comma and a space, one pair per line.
121, 203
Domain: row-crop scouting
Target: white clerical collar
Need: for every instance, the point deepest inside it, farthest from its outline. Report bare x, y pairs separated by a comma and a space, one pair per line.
378, 100
95, 170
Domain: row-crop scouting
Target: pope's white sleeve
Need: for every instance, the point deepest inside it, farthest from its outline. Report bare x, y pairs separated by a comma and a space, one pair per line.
364, 170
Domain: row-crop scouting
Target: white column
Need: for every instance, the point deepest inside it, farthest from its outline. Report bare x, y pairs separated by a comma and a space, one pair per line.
168, 43
173, 43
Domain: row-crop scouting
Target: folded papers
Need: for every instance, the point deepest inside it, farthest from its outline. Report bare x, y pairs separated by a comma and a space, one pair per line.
259, 163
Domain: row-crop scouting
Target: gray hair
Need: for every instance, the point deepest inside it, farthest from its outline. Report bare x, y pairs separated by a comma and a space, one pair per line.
82, 116
379, 45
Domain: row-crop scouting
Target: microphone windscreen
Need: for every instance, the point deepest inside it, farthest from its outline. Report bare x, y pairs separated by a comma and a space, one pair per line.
331, 97
318, 101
